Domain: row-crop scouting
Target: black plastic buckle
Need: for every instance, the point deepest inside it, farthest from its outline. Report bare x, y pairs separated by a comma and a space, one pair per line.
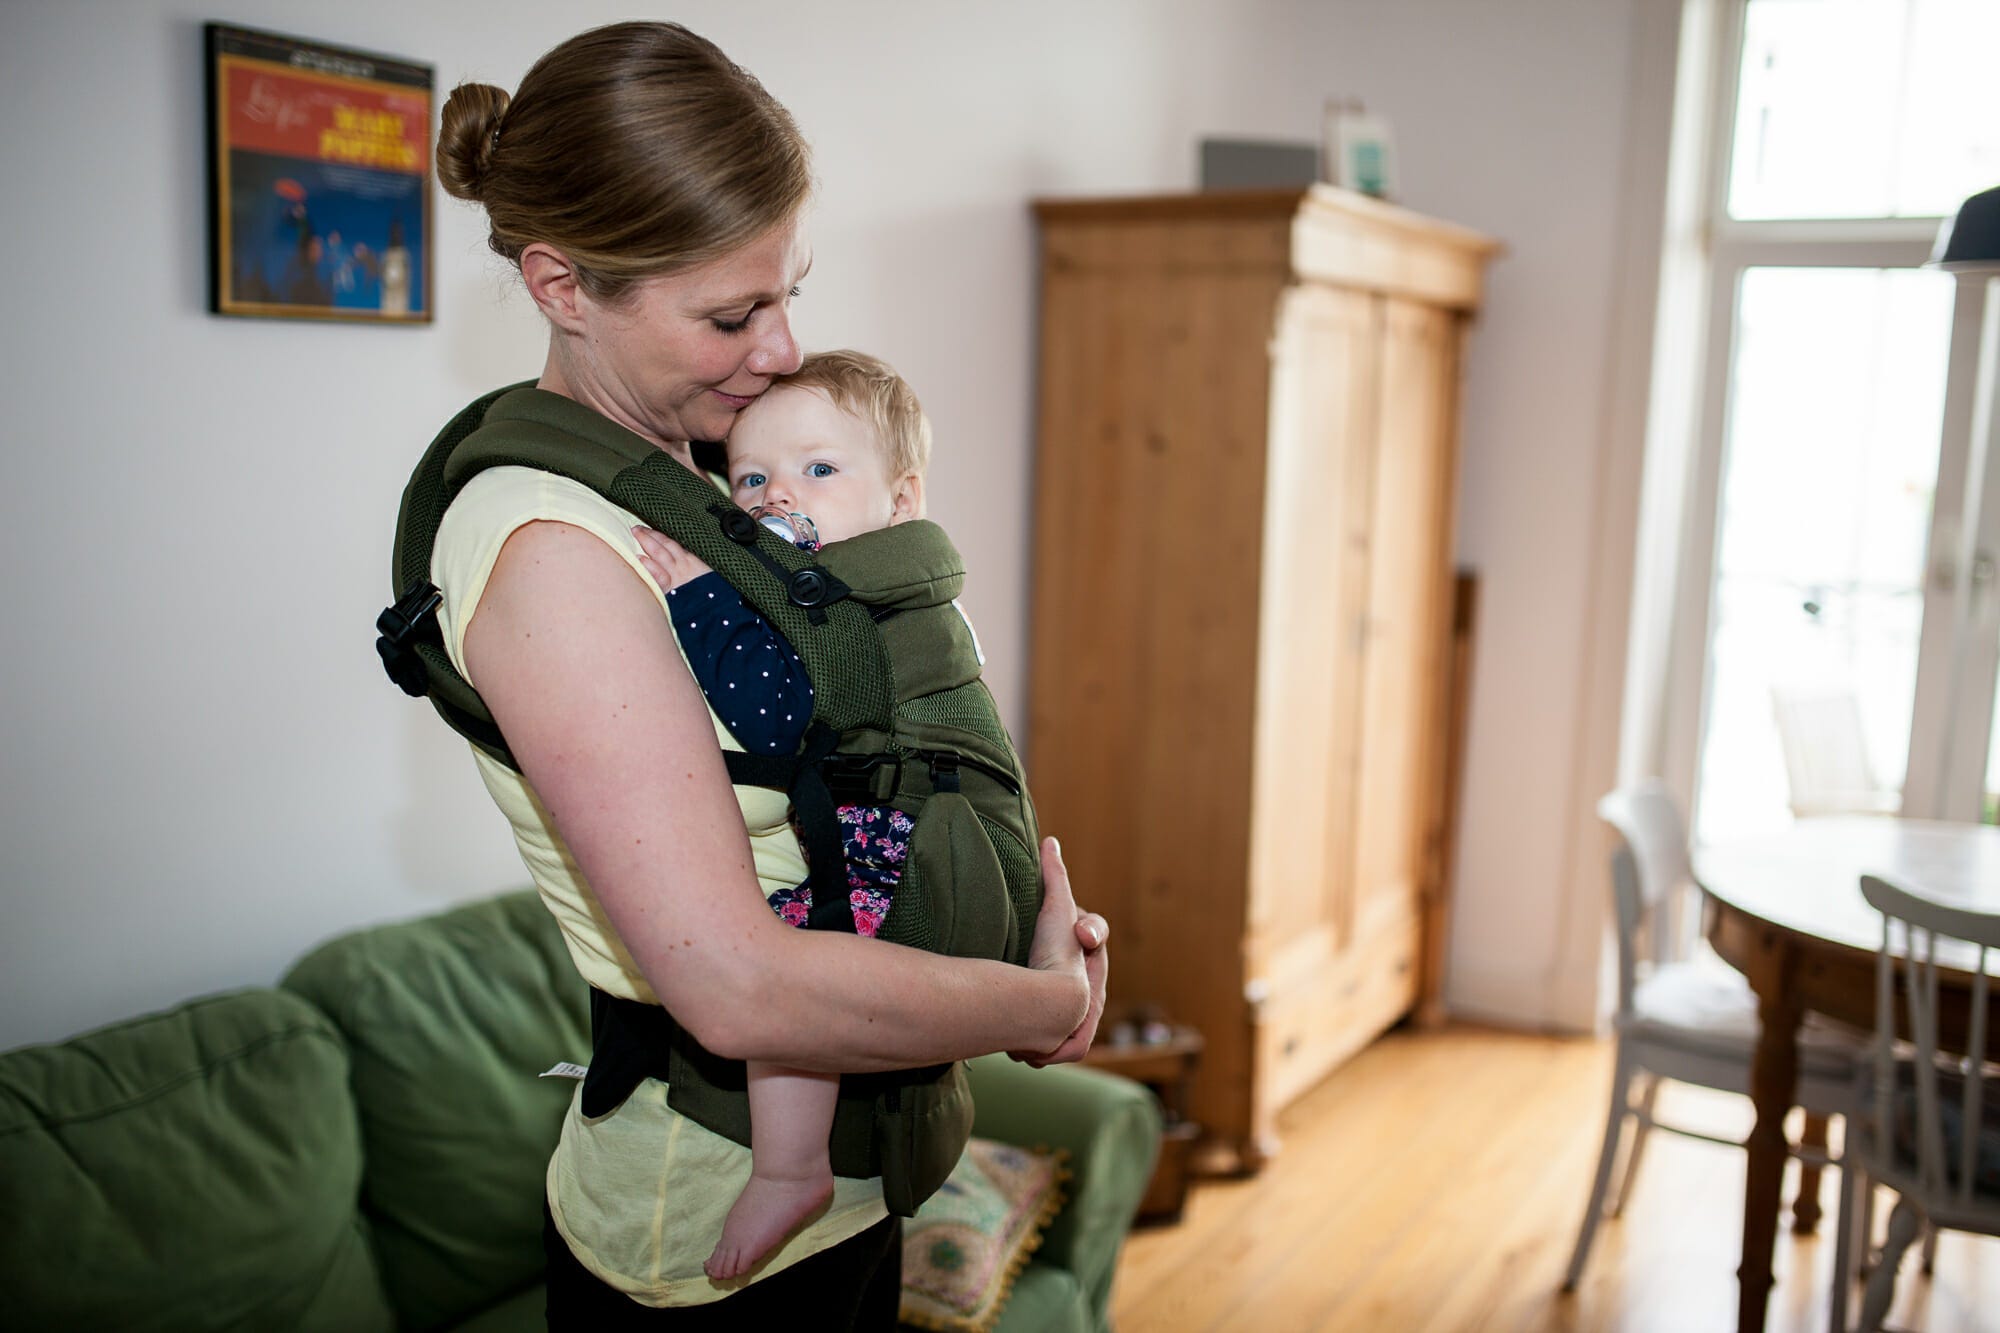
944, 771
738, 526
810, 588
412, 618
862, 779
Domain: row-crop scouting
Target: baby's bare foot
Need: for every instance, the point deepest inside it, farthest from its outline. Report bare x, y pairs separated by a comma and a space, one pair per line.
765, 1213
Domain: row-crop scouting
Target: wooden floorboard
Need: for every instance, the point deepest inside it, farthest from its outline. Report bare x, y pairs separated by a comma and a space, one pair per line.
1436, 1182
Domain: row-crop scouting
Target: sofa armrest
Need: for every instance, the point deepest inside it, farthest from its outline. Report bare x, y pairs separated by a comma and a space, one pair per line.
1111, 1128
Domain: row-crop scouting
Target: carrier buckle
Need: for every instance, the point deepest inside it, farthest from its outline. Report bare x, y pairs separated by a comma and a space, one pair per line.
810, 588
862, 779
413, 617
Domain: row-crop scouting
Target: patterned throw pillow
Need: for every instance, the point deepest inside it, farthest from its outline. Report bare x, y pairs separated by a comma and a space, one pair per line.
964, 1248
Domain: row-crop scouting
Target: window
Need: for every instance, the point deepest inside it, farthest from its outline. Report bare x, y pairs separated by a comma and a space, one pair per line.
1835, 474
1864, 108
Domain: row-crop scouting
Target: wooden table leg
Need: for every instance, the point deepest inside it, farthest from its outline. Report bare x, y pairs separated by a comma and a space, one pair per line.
1805, 1208
1773, 1085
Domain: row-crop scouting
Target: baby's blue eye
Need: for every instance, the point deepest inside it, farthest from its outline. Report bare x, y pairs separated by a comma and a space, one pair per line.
750, 481
820, 470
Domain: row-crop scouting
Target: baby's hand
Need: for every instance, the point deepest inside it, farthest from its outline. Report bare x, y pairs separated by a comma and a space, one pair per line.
670, 563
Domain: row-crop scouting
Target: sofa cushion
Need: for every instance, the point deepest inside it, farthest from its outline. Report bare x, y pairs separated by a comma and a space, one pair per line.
193, 1169
448, 1022
969, 1241
523, 1312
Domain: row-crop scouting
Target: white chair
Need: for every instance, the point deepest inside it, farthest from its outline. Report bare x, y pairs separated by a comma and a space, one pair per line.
1931, 1128
1826, 755
1690, 1021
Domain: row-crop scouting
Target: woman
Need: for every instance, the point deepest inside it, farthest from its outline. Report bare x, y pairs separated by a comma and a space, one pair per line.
651, 194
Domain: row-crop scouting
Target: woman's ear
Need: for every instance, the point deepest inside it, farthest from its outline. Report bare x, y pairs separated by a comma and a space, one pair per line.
906, 498
552, 285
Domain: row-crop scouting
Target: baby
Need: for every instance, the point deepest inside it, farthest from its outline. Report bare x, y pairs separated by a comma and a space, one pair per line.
844, 442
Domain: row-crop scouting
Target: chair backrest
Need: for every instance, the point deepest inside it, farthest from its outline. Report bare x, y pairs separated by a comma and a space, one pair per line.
1649, 867
1826, 754
1921, 924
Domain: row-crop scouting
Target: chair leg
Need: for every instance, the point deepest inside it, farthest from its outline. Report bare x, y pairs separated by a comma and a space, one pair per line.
1865, 1226
1904, 1223
1853, 1180
1930, 1249
1647, 1100
1805, 1208
1593, 1213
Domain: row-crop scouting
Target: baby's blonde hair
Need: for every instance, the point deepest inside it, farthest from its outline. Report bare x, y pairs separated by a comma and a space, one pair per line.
870, 389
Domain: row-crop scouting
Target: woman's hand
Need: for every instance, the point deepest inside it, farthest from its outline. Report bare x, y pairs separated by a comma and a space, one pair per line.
1068, 938
670, 563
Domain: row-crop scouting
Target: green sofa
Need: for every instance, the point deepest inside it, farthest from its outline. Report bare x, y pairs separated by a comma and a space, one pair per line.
362, 1147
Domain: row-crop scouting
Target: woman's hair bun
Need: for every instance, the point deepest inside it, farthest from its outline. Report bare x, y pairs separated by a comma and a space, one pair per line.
634, 149
466, 133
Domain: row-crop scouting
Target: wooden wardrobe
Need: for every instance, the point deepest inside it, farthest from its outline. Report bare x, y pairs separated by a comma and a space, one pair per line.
1245, 474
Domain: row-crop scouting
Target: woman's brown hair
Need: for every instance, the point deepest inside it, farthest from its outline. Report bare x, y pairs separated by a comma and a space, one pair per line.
635, 149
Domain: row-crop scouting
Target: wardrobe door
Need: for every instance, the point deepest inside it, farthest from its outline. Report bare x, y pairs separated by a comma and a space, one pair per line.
1405, 653
1318, 515
1086, 718
1154, 381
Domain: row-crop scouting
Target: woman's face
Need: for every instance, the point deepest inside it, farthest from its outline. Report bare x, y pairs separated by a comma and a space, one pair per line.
680, 356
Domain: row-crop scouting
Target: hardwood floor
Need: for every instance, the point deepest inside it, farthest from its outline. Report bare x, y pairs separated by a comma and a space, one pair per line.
1436, 1183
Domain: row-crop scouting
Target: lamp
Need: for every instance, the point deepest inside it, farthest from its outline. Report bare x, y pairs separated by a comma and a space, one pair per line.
1971, 241
1962, 564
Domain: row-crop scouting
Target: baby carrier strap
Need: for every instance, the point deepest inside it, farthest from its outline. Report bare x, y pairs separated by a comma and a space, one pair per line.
523, 426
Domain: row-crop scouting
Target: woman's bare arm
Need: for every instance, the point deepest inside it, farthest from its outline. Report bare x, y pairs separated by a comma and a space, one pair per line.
570, 652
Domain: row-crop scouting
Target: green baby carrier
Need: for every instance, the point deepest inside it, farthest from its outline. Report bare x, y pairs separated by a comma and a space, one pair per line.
900, 719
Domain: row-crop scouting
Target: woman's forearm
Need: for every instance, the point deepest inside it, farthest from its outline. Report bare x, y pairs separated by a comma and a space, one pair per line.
843, 1004
569, 650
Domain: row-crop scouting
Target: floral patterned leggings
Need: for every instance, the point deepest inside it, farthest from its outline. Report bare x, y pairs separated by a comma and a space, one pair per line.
875, 841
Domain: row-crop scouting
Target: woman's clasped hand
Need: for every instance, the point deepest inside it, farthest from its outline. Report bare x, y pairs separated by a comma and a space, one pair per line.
1084, 947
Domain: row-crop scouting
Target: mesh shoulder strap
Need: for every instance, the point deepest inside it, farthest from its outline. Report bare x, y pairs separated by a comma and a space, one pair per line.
528, 427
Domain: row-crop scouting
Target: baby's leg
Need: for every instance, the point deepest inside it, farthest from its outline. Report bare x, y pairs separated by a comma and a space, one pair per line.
791, 1112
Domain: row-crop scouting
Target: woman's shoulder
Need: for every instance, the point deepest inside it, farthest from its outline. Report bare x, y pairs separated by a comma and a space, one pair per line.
491, 508
493, 505
516, 494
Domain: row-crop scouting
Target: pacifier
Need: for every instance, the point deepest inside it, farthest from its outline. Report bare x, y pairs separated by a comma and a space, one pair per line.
797, 529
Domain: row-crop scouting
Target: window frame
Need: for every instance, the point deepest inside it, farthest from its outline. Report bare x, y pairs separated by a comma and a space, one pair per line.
1730, 246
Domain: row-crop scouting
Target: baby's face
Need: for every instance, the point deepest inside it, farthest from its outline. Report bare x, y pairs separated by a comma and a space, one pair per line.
794, 450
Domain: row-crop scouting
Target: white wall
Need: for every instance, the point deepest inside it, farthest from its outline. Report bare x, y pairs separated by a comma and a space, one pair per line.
205, 769
1516, 123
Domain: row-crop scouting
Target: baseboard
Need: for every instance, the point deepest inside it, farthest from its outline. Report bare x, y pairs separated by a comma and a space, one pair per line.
1567, 1003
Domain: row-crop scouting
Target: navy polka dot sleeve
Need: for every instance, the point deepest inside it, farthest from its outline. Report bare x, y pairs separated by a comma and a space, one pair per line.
753, 680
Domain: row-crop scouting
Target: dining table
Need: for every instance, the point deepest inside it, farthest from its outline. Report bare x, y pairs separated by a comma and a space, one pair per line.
1785, 909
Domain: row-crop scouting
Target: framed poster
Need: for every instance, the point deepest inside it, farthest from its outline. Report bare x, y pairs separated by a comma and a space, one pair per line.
319, 196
